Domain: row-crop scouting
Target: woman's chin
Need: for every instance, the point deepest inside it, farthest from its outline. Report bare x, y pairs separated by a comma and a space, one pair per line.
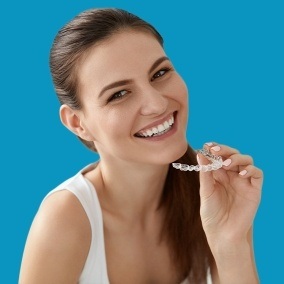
173, 153
179, 151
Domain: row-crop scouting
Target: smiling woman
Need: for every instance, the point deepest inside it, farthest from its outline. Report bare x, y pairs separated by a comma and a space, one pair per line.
130, 217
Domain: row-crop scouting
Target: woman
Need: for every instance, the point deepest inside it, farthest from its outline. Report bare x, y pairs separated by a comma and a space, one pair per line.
131, 217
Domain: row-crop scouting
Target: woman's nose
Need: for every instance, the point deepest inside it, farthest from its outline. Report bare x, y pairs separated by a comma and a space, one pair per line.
154, 102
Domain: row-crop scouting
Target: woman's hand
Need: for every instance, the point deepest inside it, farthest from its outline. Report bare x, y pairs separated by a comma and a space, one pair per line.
229, 200
229, 196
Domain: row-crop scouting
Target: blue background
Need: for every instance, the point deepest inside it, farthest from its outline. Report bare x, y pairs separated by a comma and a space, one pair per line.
230, 53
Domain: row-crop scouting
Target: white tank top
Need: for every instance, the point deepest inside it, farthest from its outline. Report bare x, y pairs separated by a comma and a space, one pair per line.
95, 268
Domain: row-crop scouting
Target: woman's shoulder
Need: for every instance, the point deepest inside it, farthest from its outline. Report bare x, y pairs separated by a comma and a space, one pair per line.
59, 238
62, 212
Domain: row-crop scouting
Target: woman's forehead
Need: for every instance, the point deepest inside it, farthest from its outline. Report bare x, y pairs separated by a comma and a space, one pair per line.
124, 54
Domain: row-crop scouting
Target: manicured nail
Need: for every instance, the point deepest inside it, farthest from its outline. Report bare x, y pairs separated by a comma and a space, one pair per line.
209, 143
216, 148
227, 162
243, 172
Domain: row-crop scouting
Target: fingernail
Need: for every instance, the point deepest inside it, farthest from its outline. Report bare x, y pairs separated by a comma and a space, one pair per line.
209, 143
216, 148
243, 172
227, 162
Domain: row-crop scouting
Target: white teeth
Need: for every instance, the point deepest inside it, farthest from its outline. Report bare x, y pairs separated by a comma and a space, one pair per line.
149, 132
159, 129
155, 130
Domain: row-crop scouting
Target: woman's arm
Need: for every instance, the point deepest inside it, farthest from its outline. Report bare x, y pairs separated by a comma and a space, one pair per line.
229, 200
58, 242
235, 263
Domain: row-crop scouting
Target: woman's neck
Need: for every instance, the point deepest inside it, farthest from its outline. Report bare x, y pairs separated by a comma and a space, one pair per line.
131, 192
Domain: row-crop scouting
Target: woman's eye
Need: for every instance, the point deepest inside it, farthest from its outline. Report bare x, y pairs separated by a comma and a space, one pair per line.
117, 95
160, 73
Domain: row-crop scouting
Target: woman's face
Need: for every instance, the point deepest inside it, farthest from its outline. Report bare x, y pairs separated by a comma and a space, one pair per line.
134, 102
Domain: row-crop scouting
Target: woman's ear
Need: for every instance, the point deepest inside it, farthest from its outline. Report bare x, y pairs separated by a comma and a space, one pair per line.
71, 119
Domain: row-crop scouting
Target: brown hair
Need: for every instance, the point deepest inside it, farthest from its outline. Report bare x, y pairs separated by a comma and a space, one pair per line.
182, 226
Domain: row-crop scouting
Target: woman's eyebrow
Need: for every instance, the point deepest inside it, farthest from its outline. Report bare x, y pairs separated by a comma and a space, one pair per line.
114, 85
157, 63
128, 81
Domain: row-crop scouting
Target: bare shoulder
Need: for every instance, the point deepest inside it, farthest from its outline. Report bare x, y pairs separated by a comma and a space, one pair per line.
58, 241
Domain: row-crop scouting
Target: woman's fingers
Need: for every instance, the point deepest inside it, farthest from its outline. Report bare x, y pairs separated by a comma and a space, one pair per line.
232, 159
206, 178
237, 162
220, 150
251, 171
255, 175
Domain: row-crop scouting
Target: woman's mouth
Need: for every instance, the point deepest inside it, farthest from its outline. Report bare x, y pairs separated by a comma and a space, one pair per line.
159, 129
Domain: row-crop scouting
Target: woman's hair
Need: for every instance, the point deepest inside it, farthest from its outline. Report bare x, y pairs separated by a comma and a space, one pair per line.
182, 227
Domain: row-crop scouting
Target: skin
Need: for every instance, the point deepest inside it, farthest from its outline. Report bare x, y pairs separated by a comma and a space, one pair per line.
130, 176
229, 201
